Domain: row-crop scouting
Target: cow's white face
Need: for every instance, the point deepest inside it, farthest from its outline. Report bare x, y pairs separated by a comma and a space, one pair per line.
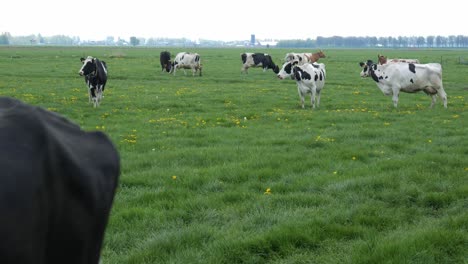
88, 66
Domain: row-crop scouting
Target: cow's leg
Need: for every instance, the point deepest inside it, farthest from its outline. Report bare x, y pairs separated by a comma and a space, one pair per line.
317, 98
90, 96
443, 95
312, 97
301, 95
99, 94
395, 97
90, 86
434, 100
244, 69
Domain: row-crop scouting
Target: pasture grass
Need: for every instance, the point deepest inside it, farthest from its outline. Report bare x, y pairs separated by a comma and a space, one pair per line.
227, 168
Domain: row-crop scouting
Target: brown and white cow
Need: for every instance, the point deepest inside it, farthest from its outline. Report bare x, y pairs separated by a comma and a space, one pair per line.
393, 78
303, 58
383, 59
186, 60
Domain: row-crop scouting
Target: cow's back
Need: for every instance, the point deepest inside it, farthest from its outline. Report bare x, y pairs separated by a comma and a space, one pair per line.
57, 187
402, 70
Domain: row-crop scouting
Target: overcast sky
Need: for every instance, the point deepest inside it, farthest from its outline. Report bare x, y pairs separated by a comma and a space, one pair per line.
233, 19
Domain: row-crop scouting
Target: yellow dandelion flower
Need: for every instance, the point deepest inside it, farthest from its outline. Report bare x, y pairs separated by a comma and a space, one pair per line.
268, 191
429, 140
354, 158
174, 177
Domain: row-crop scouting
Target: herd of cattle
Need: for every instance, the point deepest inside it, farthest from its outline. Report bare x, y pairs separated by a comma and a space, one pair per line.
392, 76
59, 182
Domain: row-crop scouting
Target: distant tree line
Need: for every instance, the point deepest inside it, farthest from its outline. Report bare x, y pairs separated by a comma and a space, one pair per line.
458, 41
453, 41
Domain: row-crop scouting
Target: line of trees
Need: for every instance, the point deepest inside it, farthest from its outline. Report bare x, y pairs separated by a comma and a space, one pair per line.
458, 41
452, 41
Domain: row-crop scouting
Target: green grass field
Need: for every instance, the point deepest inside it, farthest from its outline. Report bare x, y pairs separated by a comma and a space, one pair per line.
227, 168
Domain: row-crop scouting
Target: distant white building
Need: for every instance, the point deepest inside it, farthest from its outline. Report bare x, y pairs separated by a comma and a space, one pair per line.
267, 42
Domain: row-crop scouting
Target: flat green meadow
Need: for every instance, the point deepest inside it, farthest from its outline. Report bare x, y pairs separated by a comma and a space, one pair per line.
228, 168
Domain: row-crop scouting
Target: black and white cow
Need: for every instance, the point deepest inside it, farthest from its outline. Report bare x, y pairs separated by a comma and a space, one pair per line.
57, 185
393, 78
95, 73
258, 60
165, 59
309, 77
186, 60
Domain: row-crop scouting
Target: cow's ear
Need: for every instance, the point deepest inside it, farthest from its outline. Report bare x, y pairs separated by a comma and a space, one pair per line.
82, 59
362, 64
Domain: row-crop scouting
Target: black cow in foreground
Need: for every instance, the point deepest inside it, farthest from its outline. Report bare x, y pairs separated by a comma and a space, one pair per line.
95, 73
165, 59
258, 60
57, 185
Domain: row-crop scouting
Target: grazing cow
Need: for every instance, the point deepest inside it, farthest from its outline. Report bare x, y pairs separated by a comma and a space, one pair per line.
165, 59
257, 60
57, 187
185, 60
391, 78
95, 73
310, 78
303, 58
383, 59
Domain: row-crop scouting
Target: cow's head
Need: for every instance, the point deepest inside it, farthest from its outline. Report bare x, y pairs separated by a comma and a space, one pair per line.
276, 69
382, 59
287, 69
366, 68
321, 54
89, 66
168, 66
